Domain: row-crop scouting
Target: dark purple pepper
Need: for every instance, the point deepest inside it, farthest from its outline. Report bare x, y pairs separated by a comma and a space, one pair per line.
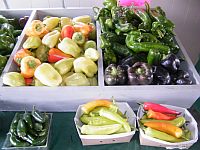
171, 63
140, 74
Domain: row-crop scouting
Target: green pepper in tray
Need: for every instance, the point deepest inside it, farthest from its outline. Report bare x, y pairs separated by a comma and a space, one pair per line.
29, 129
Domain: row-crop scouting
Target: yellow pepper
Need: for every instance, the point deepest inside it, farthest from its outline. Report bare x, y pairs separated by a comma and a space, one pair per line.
51, 39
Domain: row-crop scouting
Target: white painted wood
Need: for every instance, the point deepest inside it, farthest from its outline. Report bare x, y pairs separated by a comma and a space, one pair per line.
40, 3
18, 4
69, 98
2, 5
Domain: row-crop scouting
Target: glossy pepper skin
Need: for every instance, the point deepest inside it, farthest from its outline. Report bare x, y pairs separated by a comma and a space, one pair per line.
161, 76
38, 116
105, 43
171, 63
115, 75
6, 44
154, 57
133, 42
109, 57
140, 74
159, 108
159, 116
146, 20
3, 60
13, 126
121, 50
103, 12
109, 4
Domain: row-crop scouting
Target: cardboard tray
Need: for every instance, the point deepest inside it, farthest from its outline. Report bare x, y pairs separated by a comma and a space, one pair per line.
192, 126
64, 98
107, 139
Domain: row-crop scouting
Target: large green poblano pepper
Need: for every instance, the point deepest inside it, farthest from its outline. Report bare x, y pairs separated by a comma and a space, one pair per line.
133, 42
6, 44
109, 57
146, 20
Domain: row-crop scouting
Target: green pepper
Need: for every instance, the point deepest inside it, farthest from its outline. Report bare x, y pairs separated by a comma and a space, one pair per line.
115, 117
179, 121
104, 27
38, 126
96, 121
38, 116
28, 119
103, 12
112, 37
146, 20
121, 50
109, 4
6, 44
39, 141
148, 37
109, 57
100, 130
133, 42
16, 142
8, 29
3, 60
105, 43
13, 126
3, 19
21, 128
154, 57
124, 26
45, 127
162, 135
158, 30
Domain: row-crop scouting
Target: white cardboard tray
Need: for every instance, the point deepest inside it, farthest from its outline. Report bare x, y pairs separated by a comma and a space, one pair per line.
192, 126
107, 139
65, 99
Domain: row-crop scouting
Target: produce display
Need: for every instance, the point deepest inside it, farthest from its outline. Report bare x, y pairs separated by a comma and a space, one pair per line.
10, 29
57, 52
138, 46
29, 129
163, 123
103, 117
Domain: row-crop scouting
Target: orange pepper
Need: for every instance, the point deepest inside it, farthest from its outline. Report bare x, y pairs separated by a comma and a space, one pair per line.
83, 28
21, 54
96, 103
165, 127
37, 28
159, 116
28, 66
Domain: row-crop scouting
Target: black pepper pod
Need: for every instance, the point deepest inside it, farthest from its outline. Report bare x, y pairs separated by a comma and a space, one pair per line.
21, 128
115, 75
140, 74
171, 62
181, 77
15, 141
161, 76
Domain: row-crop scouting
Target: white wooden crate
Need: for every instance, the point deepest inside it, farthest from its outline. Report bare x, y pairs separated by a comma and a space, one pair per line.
69, 98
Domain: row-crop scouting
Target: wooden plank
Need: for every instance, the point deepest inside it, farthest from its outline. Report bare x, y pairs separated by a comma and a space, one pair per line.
71, 3
56, 3
40, 3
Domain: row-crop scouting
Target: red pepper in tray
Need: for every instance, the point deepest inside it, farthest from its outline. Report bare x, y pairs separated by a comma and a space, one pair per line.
159, 108
159, 116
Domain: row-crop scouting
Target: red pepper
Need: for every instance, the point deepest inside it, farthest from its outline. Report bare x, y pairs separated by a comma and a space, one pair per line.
28, 81
67, 31
159, 116
56, 55
159, 108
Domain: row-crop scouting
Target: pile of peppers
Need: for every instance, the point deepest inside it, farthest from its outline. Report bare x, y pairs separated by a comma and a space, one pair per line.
10, 29
164, 123
103, 117
29, 129
138, 46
